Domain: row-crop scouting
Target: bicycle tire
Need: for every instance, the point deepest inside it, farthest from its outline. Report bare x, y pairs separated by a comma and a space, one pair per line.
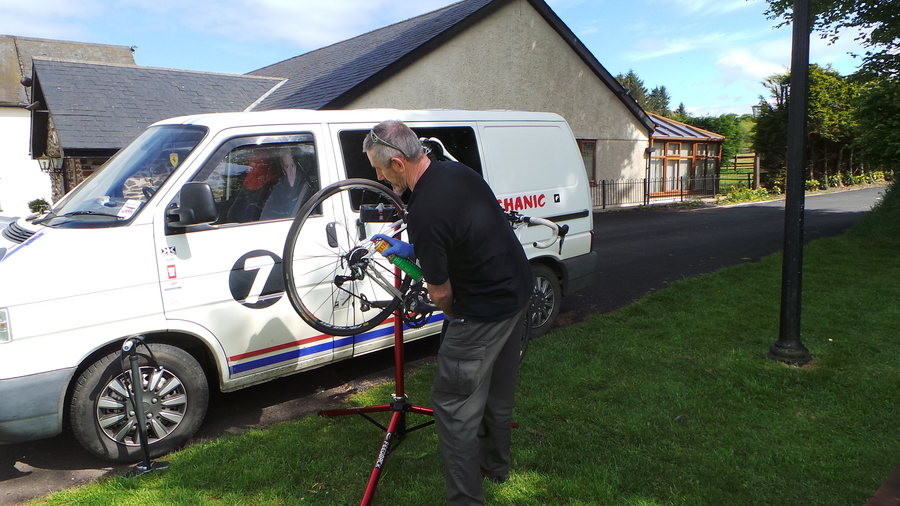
328, 276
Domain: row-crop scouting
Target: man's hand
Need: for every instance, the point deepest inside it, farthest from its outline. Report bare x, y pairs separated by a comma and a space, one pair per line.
442, 297
396, 247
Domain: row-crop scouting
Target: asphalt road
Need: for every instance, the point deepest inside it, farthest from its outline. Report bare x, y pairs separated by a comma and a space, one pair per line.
640, 251
644, 250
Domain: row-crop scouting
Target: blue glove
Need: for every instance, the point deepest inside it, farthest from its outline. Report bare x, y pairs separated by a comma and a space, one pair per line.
397, 247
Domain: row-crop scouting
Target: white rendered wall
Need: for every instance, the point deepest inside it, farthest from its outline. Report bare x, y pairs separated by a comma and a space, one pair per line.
514, 59
21, 179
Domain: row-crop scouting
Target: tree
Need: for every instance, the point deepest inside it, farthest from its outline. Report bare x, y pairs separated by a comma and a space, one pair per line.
878, 116
779, 86
747, 124
635, 86
681, 113
832, 126
770, 141
726, 125
831, 99
877, 25
658, 101
876, 22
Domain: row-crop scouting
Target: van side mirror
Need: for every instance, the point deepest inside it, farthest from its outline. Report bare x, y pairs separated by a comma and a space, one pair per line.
196, 206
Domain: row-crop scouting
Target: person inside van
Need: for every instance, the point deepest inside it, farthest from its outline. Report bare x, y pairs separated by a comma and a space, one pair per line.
478, 274
257, 185
290, 192
262, 171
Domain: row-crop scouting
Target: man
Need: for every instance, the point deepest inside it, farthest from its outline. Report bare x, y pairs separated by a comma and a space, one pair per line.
478, 275
290, 192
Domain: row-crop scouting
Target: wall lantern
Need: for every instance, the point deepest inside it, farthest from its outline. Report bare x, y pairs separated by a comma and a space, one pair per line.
50, 164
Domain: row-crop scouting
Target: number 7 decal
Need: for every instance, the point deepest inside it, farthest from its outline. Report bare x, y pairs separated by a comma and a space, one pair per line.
256, 279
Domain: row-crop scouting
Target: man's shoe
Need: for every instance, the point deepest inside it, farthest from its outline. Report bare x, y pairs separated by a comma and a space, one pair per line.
495, 479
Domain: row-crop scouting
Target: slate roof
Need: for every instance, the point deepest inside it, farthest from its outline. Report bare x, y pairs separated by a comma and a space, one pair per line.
319, 78
330, 77
17, 52
669, 129
103, 107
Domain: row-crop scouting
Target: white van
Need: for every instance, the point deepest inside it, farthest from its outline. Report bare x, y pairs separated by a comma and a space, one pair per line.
132, 251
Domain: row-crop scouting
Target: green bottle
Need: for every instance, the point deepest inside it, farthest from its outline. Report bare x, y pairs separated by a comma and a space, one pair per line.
405, 265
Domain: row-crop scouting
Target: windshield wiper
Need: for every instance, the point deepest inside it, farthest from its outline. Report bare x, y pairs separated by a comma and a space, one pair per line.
44, 218
90, 213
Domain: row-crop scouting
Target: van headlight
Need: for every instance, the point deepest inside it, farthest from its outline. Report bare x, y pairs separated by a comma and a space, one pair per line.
5, 331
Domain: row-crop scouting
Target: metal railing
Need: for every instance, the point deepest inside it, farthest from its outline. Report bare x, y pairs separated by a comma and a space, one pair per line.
614, 192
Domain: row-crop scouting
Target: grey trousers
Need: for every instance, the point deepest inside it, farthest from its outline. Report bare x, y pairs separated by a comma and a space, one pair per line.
472, 397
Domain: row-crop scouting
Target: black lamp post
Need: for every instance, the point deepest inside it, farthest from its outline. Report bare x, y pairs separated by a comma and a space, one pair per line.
789, 348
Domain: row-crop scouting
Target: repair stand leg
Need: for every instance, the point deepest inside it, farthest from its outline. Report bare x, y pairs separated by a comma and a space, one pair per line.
398, 419
396, 430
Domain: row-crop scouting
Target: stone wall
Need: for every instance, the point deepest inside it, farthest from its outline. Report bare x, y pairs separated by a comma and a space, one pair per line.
74, 171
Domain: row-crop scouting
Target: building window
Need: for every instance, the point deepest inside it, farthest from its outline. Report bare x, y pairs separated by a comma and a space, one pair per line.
589, 156
682, 165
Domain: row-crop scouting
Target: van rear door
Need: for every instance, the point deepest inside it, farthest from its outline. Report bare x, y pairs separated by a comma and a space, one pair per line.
535, 168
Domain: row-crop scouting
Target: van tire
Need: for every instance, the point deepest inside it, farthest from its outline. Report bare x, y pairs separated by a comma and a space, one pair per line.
176, 414
546, 301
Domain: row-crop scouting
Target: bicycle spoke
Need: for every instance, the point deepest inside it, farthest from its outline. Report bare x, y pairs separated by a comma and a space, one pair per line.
333, 278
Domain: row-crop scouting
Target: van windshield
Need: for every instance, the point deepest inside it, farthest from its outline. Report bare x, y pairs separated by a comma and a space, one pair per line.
114, 194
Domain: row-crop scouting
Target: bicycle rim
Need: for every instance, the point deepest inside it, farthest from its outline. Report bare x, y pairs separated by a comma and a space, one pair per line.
330, 278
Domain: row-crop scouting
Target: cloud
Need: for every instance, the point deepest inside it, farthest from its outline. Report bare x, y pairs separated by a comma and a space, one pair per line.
837, 54
303, 22
312, 23
49, 19
757, 62
39, 11
708, 7
563, 5
747, 65
24, 26
718, 110
309, 24
651, 47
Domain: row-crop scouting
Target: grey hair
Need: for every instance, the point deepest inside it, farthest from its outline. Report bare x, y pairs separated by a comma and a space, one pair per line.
398, 134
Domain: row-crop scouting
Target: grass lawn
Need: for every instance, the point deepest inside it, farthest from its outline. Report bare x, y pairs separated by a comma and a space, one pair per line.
669, 401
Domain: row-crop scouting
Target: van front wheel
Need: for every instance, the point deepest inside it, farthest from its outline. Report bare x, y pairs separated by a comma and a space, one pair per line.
547, 299
175, 397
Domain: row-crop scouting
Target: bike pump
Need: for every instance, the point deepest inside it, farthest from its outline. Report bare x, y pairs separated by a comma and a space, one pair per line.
140, 414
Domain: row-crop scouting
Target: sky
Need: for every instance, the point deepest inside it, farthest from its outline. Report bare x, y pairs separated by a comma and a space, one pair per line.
711, 55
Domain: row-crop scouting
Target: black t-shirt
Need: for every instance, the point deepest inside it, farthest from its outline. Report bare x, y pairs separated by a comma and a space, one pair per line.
460, 233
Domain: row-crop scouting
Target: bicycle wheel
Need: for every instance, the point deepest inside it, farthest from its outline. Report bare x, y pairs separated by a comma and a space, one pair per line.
331, 276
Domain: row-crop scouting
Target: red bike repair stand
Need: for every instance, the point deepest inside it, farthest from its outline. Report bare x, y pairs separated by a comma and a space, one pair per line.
396, 430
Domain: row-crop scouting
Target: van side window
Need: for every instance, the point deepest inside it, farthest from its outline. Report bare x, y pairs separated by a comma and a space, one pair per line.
459, 141
254, 181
